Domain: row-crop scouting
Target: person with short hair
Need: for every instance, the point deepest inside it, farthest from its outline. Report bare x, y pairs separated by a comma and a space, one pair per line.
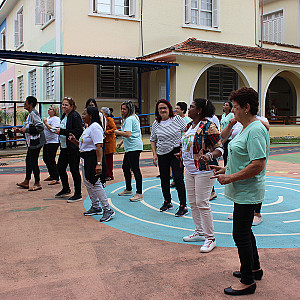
2, 134
133, 146
52, 144
244, 180
224, 122
69, 153
110, 145
90, 146
165, 140
181, 109
35, 139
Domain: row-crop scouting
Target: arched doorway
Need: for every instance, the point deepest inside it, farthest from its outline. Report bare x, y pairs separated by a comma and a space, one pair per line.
216, 82
282, 93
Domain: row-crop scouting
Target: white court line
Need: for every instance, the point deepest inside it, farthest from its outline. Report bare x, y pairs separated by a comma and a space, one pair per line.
186, 229
292, 221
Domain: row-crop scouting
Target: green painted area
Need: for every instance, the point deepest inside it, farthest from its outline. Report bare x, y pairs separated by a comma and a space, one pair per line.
292, 158
284, 145
29, 209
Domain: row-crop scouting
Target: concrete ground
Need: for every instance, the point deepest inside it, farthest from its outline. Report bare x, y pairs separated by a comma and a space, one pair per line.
49, 250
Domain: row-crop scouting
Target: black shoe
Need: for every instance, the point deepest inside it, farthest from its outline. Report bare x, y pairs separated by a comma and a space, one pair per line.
63, 193
93, 211
74, 198
107, 215
257, 275
182, 211
166, 206
249, 290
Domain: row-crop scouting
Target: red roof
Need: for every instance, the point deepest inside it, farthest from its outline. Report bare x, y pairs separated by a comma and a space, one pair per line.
193, 45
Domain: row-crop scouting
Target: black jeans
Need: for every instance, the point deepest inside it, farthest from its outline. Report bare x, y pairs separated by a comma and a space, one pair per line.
225, 154
164, 163
69, 157
2, 138
245, 240
32, 165
257, 208
131, 162
49, 154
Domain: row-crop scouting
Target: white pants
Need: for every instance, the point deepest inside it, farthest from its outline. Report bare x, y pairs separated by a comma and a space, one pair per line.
198, 189
96, 192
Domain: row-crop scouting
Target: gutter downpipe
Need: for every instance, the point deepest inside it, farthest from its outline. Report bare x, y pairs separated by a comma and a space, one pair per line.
259, 90
298, 24
168, 73
58, 73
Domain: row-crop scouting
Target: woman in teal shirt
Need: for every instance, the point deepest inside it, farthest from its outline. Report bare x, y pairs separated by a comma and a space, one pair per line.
133, 145
245, 185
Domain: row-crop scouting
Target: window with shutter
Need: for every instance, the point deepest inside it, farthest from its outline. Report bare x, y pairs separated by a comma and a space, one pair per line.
116, 82
3, 40
44, 11
11, 90
18, 26
273, 27
221, 81
49, 82
3, 92
126, 8
204, 13
20, 91
32, 83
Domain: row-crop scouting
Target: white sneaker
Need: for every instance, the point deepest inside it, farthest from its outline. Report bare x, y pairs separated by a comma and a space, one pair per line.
125, 193
257, 220
136, 197
230, 216
208, 246
194, 237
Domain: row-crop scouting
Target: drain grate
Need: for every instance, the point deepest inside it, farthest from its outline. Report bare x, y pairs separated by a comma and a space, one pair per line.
3, 164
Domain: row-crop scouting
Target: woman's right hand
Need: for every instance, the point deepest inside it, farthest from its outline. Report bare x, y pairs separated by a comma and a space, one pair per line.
218, 169
119, 145
72, 138
155, 160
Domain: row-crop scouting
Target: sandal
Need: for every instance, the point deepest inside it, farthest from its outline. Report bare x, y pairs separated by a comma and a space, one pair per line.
173, 184
35, 188
53, 182
49, 178
22, 185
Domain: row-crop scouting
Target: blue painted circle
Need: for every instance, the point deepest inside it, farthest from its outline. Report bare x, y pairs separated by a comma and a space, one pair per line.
280, 211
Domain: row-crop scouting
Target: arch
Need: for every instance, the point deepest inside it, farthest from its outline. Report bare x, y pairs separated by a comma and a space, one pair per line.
275, 74
236, 68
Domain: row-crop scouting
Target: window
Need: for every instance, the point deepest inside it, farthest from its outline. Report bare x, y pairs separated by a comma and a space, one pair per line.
203, 13
44, 11
221, 81
116, 82
11, 90
49, 82
123, 8
20, 86
32, 83
3, 40
19, 28
273, 27
3, 93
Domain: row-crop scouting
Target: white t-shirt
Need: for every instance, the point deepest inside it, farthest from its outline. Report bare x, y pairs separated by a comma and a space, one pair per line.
90, 137
27, 135
187, 142
167, 122
237, 127
51, 137
215, 120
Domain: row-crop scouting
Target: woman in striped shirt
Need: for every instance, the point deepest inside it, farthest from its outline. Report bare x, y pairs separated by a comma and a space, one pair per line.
165, 140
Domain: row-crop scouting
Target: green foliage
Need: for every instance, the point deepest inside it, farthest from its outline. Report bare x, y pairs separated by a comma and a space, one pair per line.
7, 117
21, 116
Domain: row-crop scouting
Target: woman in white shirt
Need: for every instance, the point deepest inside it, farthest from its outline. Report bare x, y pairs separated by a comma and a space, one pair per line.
52, 143
90, 146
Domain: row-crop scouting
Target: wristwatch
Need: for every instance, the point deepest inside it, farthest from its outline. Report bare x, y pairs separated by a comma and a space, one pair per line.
99, 163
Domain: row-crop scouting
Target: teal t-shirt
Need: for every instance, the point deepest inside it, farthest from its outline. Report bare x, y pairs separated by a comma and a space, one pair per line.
187, 120
63, 138
250, 144
225, 120
134, 142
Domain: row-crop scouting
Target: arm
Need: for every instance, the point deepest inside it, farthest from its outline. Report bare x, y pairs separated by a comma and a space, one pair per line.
99, 153
153, 148
125, 134
112, 125
72, 139
253, 169
227, 131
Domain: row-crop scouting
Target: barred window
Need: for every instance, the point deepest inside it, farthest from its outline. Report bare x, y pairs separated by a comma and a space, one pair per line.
32, 83
116, 82
11, 90
49, 82
221, 81
20, 84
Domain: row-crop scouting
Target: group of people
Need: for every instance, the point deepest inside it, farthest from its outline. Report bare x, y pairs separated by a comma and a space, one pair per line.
177, 142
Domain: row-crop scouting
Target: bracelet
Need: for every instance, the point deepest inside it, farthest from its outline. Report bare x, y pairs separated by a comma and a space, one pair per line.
210, 155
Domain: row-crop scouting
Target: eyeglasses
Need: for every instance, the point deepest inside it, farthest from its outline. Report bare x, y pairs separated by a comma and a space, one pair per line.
68, 98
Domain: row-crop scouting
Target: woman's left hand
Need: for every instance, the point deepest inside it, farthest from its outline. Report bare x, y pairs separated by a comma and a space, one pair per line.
98, 169
57, 131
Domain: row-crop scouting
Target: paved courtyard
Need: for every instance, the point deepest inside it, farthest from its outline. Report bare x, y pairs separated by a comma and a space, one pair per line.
49, 250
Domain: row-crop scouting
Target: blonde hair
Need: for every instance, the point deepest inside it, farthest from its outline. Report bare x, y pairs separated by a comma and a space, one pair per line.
56, 110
